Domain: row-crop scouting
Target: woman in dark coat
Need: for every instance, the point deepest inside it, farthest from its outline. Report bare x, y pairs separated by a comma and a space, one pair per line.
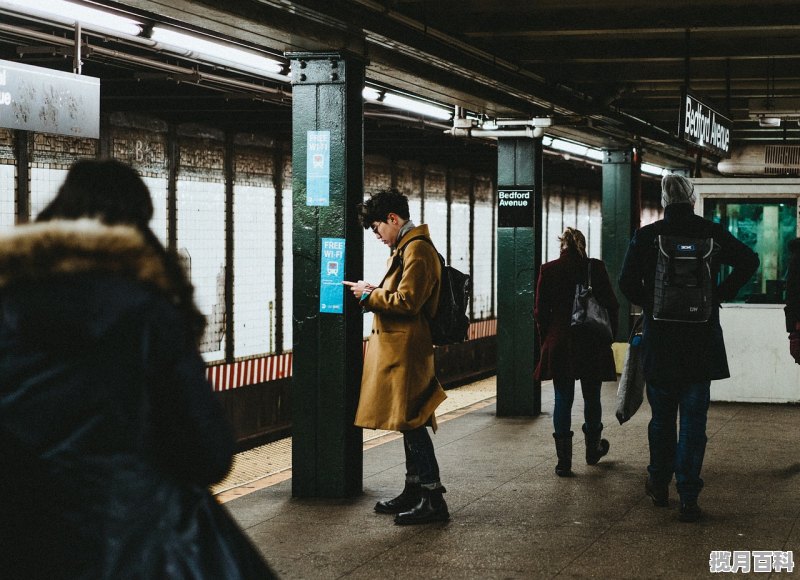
109, 432
568, 354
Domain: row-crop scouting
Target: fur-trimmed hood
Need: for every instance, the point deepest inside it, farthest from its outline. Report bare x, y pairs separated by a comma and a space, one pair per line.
41, 251
66, 282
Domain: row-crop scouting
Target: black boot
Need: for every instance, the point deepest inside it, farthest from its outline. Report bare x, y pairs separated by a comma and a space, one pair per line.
595, 446
564, 453
431, 508
407, 499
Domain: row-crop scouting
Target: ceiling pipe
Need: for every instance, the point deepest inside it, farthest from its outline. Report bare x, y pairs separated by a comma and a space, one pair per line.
526, 132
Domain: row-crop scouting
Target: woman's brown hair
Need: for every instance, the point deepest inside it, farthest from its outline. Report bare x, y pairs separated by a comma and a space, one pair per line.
573, 240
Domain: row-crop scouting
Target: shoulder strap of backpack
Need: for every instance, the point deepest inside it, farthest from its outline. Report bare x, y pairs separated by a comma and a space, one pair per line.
424, 238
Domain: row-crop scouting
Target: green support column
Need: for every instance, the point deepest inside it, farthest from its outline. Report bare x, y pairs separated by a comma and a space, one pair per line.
327, 184
519, 256
619, 168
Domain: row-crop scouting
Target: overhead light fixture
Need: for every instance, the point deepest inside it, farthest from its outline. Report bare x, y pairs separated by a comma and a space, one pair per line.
372, 94
416, 106
193, 46
71, 12
770, 122
653, 169
569, 147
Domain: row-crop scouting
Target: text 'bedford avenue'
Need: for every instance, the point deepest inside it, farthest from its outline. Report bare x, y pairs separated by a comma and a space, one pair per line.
701, 124
512, 198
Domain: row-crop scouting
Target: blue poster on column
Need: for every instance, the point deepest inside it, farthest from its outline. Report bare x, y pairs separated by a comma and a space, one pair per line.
318, 167
331, 290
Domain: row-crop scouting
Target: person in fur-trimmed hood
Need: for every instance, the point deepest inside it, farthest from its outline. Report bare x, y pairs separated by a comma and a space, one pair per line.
109, 431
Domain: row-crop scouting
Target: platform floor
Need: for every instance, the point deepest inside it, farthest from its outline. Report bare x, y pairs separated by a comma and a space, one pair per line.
513, 518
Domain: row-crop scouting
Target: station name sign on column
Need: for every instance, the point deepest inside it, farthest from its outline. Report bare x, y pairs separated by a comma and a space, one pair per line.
515, 208
38, 99
703, 126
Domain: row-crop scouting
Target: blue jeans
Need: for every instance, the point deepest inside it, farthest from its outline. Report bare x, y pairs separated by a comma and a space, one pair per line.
681, 454
420, 459
562, 411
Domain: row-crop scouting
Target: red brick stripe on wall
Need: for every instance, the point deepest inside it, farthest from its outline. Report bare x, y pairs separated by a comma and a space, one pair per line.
224, 377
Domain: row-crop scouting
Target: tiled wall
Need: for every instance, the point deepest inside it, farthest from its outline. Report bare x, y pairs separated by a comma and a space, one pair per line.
7, 209
570, 207
439, 196
254, 253
485, 252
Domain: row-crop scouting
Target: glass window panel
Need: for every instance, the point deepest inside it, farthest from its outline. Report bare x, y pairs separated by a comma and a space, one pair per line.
766, 226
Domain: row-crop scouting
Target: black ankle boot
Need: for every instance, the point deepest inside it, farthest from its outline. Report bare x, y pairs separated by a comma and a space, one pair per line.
564, 453
595, 446
407, 499
431, 508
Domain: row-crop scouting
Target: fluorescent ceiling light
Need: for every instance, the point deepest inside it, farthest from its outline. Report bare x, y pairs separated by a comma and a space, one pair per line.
88, 17
596, 154
415, 106
569, 147
653, 169
218, 52
769, 122
371, 94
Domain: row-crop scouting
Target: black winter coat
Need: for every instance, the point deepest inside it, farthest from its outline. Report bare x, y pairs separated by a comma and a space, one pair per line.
109, 431
676, 351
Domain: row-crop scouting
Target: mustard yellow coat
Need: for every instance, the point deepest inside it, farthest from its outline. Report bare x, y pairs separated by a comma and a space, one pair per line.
399, 390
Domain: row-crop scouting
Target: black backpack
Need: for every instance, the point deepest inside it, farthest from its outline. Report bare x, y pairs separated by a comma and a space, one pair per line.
683, 285
450, 323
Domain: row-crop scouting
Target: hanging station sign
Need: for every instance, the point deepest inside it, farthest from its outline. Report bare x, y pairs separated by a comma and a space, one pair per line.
38, 99
704, 127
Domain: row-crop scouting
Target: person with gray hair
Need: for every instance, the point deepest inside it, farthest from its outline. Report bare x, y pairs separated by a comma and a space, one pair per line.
681, 358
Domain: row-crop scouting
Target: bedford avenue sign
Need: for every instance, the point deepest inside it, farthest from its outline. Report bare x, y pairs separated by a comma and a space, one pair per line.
48, 101
705, 127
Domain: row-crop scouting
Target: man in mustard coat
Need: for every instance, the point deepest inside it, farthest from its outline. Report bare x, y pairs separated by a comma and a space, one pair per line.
399, 390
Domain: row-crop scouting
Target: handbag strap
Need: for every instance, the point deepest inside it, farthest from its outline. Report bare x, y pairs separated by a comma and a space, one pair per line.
589, 270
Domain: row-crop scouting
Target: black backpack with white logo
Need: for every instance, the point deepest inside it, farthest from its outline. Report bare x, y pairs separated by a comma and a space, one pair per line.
683, 285
450, 324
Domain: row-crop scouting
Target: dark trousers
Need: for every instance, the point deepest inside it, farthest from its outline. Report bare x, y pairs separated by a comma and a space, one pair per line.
420, 457
565, 395
681, 453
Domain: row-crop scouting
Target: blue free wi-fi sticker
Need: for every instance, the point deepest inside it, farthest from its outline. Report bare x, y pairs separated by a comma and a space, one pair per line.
331, 276
318, 168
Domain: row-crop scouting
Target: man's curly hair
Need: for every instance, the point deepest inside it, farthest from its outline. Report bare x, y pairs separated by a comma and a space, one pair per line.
380, 204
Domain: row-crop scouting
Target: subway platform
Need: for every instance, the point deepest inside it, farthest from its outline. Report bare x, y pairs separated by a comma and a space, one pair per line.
513, 518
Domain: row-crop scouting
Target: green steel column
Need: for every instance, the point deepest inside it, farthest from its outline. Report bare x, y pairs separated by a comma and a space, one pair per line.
519, 255
327, 107
618, 219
